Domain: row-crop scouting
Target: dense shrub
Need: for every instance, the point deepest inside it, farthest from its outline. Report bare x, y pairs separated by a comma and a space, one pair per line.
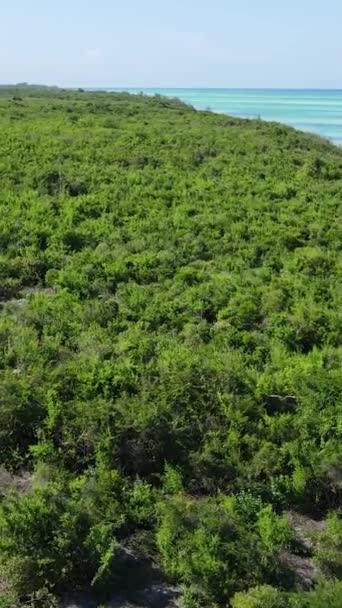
170, 361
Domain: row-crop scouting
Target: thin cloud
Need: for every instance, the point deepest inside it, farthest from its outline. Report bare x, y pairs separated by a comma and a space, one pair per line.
94, 55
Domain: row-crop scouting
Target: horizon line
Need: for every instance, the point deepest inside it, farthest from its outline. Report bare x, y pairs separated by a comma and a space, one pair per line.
178, 88
222, 88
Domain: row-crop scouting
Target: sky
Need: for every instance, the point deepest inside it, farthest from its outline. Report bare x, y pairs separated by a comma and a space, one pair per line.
172, 43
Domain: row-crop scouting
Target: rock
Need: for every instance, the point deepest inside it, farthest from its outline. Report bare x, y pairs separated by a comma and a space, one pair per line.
155, 596
298, 562
21, 482
305, 528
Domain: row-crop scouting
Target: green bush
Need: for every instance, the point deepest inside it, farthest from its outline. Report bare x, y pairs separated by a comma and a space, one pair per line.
326, 596
60, 534
260, 597
170, 361
328, 552
211, 548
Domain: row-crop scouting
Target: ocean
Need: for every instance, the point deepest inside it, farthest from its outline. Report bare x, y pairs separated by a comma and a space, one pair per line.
317, 111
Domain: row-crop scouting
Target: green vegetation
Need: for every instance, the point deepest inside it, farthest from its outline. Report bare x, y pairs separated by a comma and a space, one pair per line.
327, 596
170, 352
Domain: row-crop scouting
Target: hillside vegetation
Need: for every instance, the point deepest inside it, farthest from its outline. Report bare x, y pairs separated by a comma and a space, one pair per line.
170, 353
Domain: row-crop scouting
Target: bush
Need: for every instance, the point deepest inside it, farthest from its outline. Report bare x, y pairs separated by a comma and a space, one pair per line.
328, 553
213, 550
326, 596
59, 536
260, 597
169, 342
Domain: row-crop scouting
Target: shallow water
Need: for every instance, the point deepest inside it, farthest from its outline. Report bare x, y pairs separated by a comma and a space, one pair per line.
318, 111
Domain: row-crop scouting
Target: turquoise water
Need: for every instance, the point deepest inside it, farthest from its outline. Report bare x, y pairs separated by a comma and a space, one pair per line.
318, 111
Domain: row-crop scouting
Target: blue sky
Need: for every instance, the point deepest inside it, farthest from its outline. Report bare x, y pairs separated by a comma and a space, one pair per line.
172, 43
